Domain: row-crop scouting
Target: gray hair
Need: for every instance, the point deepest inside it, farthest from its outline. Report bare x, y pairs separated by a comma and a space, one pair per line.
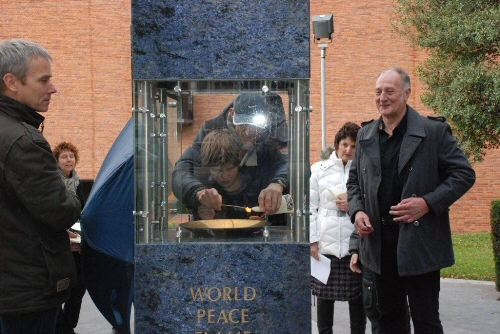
405, 77
15, 56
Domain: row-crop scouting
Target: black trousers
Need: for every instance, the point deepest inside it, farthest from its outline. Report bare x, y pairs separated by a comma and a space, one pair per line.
394, 293
370, 302
41, 322
325, 313
70, 312
370, 299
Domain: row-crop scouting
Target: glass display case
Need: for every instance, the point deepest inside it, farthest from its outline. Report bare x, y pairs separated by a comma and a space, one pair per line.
171, 120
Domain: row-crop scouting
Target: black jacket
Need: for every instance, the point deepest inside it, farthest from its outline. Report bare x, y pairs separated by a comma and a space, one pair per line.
36, 265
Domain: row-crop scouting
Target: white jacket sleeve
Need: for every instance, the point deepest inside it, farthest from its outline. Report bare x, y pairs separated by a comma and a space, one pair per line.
313, 206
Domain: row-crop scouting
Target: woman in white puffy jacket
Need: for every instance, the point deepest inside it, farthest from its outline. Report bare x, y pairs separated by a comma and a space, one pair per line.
330, 231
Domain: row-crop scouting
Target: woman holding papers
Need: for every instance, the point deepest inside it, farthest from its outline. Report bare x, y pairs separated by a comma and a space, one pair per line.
330, 231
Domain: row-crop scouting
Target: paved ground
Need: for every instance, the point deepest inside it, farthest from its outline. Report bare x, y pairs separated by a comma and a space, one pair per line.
91, 320
467, 307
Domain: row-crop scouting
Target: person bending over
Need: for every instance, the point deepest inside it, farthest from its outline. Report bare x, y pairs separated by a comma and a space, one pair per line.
257, 122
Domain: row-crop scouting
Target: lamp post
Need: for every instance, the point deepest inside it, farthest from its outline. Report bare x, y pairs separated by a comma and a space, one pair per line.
323, 31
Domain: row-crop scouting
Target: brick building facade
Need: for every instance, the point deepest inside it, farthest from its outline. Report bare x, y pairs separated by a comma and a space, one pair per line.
90, 42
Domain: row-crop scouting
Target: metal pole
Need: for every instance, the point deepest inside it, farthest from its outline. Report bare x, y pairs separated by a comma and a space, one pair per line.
299, 160
323, 94
141, 187
163, 164
146, 96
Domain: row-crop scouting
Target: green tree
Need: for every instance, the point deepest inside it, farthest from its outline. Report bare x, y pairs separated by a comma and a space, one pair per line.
462, 74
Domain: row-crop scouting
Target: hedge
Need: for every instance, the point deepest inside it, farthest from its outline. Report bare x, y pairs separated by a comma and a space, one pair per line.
495, 238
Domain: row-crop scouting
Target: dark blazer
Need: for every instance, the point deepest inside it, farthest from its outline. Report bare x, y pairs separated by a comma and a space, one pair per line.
433, 167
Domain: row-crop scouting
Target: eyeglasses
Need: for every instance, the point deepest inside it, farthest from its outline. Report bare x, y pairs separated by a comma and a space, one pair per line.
219, 170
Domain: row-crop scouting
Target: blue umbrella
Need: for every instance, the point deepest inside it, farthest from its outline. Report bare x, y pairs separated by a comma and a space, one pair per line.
108, 234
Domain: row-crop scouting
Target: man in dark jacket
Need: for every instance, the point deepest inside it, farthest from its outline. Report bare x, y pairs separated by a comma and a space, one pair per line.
258, 121
407, 171
36, 265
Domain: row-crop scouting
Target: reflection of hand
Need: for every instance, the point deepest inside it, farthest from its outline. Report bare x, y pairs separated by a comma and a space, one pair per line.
314, 251
355, 264
362, 224
206, 213
210, 198
270, 198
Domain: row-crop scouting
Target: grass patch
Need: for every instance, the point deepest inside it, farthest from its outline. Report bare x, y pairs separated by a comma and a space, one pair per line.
473, 258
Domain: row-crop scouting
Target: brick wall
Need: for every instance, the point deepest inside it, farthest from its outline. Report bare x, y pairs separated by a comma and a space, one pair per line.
90, 44
90, 41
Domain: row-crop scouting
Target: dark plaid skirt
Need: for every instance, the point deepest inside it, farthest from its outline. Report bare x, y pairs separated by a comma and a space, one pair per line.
343, 284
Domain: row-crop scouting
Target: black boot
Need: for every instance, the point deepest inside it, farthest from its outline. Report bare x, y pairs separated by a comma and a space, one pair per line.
324, 308
357, 316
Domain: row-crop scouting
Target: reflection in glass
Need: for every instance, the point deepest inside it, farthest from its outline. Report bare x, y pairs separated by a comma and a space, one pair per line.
228, 138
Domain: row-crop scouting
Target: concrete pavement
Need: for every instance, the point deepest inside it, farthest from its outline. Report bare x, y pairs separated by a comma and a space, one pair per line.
91, 320
467, 307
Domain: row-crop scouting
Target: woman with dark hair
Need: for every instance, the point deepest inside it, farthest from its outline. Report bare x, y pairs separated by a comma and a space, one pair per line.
67, 158
330, 230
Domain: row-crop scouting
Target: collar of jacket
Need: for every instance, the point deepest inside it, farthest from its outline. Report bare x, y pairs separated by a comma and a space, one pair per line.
415, 132
20, 112
333, 160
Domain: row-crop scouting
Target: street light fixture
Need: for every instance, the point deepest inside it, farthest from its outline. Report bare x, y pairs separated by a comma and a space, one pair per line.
323, 31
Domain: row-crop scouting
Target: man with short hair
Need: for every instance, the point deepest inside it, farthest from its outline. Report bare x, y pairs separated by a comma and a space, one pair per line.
36, 265
258, 122
407, 171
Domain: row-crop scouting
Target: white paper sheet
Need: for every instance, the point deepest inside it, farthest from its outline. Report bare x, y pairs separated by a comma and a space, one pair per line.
320, 269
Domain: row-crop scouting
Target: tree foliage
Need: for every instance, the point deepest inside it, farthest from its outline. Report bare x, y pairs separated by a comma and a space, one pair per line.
462, 73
